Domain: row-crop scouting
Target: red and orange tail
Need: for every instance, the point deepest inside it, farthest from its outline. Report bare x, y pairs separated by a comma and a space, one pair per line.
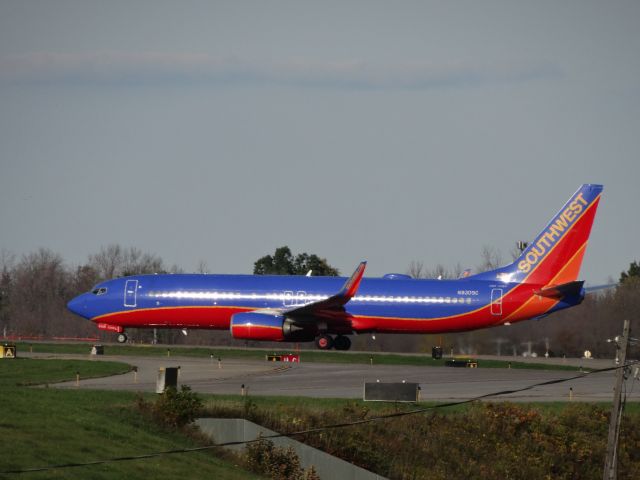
555, 256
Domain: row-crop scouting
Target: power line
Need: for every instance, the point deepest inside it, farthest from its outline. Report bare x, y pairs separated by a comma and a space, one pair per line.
619, 390
311, 430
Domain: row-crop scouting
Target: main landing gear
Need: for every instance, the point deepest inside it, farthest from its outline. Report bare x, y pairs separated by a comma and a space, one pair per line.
122, 337
327, 342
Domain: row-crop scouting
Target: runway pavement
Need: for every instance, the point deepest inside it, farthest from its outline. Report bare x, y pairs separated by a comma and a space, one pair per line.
346, 380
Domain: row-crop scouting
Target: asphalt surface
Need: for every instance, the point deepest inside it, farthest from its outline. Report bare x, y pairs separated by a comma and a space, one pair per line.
325, 380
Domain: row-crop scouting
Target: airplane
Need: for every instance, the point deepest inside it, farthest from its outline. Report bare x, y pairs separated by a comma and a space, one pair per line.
543, 280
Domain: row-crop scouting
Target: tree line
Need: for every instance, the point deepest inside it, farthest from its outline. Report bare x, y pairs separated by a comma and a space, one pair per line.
35, 288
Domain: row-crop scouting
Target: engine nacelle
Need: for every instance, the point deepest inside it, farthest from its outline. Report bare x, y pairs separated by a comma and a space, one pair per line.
257, 326
269, 327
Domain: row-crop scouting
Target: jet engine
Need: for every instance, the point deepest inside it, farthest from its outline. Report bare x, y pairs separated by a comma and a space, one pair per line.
270, 327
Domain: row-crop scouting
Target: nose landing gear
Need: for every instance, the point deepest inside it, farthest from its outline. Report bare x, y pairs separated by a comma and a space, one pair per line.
119, 329
327, 342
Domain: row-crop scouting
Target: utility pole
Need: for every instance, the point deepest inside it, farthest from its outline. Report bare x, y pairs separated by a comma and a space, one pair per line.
499, 342
611, 460
528, 344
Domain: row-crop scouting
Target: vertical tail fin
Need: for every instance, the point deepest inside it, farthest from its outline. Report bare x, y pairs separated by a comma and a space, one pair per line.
555, 256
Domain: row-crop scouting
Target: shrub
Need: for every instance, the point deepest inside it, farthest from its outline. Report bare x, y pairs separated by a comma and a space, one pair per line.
484, 440
177, 408
278, 463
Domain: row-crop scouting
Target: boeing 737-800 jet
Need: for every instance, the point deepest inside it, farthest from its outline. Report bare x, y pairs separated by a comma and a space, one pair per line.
542, 280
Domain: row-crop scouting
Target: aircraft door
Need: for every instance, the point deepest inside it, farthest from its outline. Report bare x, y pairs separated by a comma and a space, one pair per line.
496, 301
130, 293
300, 297
288, 298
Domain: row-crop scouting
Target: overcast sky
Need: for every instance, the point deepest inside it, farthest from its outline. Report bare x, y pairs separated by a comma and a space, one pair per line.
384, 131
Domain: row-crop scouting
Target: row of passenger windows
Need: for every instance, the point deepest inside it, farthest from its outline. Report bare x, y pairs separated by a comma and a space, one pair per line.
367, 298
302, 298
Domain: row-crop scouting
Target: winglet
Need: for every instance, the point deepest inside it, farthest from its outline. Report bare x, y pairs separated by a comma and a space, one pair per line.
334, 302
351, 286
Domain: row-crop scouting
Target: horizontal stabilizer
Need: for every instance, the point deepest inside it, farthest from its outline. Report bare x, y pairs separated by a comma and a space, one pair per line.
597, 288
563, 290
465, 274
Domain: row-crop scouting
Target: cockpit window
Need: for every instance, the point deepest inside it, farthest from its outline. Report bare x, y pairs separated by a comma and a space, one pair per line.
99, 291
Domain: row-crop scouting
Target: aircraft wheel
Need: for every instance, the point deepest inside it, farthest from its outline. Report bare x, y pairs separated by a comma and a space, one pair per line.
122, 338
342, 343
324, 342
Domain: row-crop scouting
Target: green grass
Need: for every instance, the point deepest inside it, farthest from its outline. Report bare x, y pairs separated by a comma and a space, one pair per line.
315, 356
22, 371
47, 426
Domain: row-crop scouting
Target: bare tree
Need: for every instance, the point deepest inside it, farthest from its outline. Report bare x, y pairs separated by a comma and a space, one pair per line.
40, 289
115, 261
107, 261
515, 253
138, 263
7, 262
491, 259
416, 269
202, 267
457, 271
84, 277
439, 272
174, 269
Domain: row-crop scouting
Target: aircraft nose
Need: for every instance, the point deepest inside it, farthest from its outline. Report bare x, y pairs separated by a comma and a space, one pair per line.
78, 306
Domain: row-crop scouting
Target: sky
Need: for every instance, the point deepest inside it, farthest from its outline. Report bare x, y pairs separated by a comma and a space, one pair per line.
390, 132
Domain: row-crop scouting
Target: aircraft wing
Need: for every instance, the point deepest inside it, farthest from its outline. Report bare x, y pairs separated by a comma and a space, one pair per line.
333, 303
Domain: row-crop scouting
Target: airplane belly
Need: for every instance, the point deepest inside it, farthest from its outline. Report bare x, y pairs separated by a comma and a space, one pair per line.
418, 325
211, 317
433, 319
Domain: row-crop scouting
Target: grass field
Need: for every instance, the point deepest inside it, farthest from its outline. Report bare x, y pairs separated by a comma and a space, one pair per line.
46, 426
24, 372
259, 354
